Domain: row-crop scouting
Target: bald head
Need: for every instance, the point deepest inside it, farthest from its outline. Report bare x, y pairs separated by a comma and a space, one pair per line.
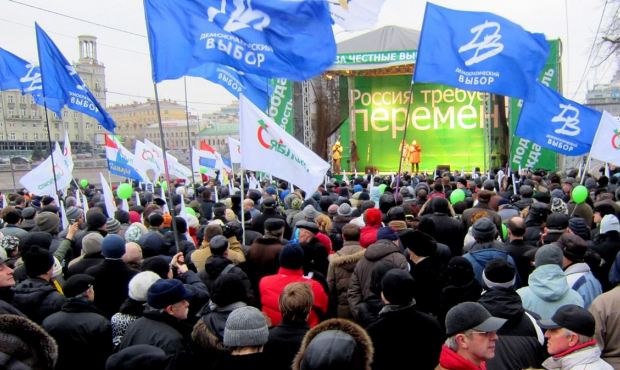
248, 204
516, 228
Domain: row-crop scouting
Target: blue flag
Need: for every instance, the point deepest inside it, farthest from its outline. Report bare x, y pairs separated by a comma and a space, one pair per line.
63, 86
19, 74
479, 51
557, 123
271, 38
250, 85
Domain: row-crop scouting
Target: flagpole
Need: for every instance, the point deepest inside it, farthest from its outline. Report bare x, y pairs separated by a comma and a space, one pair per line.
586, 169
402, 143
6, 135
241, 180
166, 172
189, 140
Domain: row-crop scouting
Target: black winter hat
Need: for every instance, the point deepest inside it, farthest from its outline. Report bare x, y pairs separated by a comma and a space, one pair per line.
397, 287
418, 242
557, 221
95, 219
77, 284
138, 357
292, 256
37, 261
157, 264
166, 292
156, 219
498, 273
228, 289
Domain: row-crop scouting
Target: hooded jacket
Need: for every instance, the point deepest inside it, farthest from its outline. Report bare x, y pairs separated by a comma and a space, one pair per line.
341, 266
588, 358
37, 299
480, 257
548, 290
581, 279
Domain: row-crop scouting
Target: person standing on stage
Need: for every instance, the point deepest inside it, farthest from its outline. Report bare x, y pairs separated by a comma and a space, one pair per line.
414, 156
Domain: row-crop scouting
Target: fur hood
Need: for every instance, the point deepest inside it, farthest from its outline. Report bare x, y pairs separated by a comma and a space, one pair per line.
27, 343
331, 355
339, 260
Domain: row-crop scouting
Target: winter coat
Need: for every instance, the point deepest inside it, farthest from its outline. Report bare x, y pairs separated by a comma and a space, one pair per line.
336, 234
359, 288
523, 255
606, 312
581, 279
262, 259
111, 285
158, 329
481, 206
206, 209
427, 284
453, 294
394, 343
450, 360
332, 354
6, 297
448, 231
608, 247
315, 258
368, 310
37, 299
86, 262
368, 235
283, 344
548, 290
341, 266
258, 222
271, 287
83, 335
520, 343
130, 311
480, 257
215, 266
588, 358
235, 253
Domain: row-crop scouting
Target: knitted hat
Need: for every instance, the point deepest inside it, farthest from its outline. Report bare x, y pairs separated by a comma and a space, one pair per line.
140, 284
310, 213
578, 226
95, 219
113, 246
296, 203
43, 240
610, 223
134, 232
573, 247
158, 264
549, 254
245, 327
91, 243
397, 287
373, 217
74, 213
557, 221
9, 243
558, 206
484, 230
292, 256
386, 233
166, 292
134, 217
345, 210
498, 273
37, 261
47, 222
77, 284
112, 226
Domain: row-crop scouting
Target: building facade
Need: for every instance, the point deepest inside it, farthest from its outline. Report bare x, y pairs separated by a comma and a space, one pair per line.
220, 125
23, 129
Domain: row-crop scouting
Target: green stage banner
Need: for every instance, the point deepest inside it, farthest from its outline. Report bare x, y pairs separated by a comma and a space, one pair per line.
447, 123
376, 57
523, 152
281, 103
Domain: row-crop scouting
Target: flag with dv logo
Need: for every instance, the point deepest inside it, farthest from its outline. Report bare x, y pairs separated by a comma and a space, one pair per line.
606, 145
19, 74
557, 123
479, 51
269, 148
63, 86
270, 38
40, 180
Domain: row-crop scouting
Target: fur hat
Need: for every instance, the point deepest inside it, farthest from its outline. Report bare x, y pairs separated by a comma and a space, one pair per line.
26, 345
38, 261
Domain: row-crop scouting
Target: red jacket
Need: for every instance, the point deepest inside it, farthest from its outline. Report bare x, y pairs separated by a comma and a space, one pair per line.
270, 288
368, 235
450, 360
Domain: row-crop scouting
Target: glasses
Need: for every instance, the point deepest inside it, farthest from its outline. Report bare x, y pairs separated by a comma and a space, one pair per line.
486, 334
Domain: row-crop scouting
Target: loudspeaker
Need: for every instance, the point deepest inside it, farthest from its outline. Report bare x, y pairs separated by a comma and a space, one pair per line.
443, 168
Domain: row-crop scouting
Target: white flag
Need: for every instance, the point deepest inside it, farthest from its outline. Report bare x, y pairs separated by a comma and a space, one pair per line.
606, 144
355, 15
204, 159
64, 220
67, 152
271, 149
234, 147
163, 196
40, 180
145, 159
84, 203
108, 197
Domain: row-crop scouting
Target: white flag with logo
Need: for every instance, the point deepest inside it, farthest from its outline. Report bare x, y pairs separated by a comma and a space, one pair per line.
67, 152
145, 161
234, 147
108, 197
40, 180
355, 15
271, 149
606, 145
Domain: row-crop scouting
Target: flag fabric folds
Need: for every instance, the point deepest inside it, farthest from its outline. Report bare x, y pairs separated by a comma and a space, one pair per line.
479, 51
557, 123
40, 180
108, 196
204, 159
121, 161
606, 145
19, 74
63, 86
270, 38
67, 152
234, 148
269, 148
355, 15
145, 160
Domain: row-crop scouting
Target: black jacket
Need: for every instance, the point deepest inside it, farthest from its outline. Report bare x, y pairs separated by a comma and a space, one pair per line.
607, 247
518, 346
428, 284
84, 264
37, 299
283, 344
206, 209
213, 269
523, 255
111, 285
258, 223
254, 361
402, 335
83, 335
6, 297
453, 294
448, 231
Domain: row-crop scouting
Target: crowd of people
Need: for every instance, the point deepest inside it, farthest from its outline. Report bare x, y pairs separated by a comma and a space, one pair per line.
379, 272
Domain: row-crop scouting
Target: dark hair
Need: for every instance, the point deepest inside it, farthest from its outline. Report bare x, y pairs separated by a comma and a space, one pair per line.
296, 301
351, 232
11, 215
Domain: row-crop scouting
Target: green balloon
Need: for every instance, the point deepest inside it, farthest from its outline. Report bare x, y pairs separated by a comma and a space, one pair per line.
457, 195
382, 188
580, 194
124, 191
84, 183
190, 211
164, 185
203, 170
504, 232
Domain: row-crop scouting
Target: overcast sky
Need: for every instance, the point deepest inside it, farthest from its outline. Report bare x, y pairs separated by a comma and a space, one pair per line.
128, 71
